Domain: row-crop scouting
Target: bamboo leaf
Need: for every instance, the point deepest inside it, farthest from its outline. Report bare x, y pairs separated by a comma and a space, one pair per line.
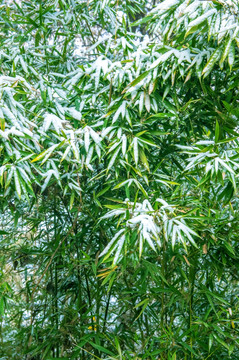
211, 62
136, 81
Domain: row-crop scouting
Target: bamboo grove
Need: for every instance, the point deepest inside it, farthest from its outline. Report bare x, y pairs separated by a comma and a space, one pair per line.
119, 166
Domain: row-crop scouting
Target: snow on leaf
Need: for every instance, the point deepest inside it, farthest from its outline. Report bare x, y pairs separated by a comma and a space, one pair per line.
223, 163
162, 58
200, 19
147, 102
51, 119
74, 113
165, 5
87, 139
113, 213
136, 151
111, 242
120, 110
89, 156
95, 136
113, 158
120, 244
211, 62
48, 175
124, 144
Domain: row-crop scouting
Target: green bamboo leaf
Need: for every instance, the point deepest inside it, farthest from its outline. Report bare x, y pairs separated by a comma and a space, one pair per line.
210, 342
143, 20
145, 304
225, 51
103, 191
185, 345
136, 81
41, 155
102, 349
17, 183
199, 22
220, 341
122, 183
144, 159
217, 132
161, 115
9, 177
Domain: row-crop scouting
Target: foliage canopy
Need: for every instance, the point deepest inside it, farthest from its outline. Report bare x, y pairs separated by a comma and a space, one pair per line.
119, 179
